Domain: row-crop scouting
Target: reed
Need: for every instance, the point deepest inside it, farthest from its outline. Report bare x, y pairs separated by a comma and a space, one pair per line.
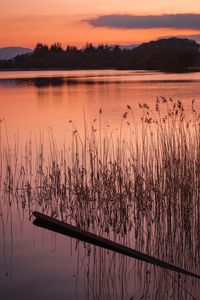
138, 185
143, 177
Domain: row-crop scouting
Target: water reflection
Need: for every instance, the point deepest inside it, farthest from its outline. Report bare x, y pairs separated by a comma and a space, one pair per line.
91, 272
53, 98
44, 82
137, 185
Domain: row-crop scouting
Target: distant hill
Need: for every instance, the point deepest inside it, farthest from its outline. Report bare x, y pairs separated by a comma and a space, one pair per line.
172, 42
131, 46
172, 54
11, 52
128, 46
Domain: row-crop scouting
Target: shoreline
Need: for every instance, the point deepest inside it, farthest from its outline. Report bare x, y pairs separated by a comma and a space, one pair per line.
188, 70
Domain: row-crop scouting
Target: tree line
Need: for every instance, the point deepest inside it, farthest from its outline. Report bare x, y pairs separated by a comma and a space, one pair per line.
164, 54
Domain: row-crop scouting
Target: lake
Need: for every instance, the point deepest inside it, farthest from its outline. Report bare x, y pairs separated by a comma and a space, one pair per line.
35, 100
70, 147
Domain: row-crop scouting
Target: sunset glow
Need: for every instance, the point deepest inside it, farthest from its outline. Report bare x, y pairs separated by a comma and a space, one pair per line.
25, 23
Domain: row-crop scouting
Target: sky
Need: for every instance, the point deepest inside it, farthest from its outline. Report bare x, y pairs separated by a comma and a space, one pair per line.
76, 22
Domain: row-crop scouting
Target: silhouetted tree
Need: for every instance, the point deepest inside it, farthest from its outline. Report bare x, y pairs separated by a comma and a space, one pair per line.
41, 50
56, 48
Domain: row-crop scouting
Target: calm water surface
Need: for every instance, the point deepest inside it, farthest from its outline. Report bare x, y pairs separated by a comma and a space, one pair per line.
38, 263
35, 100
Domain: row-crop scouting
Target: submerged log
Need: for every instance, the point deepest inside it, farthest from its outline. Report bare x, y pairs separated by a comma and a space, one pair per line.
55, 225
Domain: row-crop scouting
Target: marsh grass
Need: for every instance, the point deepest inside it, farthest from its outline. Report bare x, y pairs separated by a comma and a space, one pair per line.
138, 184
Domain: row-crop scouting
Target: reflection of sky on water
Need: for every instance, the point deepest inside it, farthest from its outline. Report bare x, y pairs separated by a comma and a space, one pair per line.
52, 98
39, 263
34, 262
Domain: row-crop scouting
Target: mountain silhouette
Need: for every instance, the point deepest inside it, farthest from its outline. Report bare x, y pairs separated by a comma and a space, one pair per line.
11, 52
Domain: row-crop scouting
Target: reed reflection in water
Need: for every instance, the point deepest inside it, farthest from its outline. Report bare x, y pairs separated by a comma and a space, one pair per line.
138, 186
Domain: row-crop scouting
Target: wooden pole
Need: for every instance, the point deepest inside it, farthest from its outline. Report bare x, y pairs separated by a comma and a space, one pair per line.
75, 232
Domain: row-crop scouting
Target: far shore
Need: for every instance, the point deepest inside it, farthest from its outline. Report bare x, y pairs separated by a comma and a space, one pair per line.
186, 70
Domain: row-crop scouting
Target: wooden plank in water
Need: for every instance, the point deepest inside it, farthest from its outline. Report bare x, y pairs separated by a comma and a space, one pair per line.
55, 225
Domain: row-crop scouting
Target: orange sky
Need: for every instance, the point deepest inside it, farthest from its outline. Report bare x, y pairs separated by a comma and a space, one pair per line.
25, 22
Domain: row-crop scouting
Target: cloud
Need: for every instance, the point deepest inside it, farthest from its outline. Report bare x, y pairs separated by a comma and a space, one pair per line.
179, 21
